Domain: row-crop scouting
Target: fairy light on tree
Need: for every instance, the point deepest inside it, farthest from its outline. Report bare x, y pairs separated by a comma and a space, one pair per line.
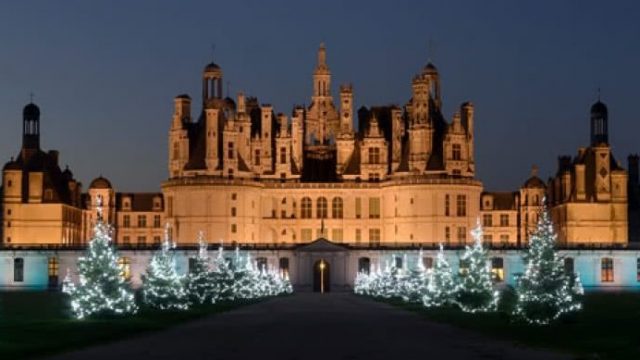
414, 285
162, 286
198, 282
101, 290
545, 291
441, 289
474, 292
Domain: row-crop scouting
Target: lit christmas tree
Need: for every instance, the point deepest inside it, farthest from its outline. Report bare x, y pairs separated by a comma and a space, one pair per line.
361, 283
414, 285
102, 290
475, 291
198, 283
223, 277
545, 291
162, 287
441, 289
245, 278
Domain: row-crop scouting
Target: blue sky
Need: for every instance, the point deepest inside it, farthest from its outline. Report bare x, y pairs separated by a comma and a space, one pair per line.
104, 73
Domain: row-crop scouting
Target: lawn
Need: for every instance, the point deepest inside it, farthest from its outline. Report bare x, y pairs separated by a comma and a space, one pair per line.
38, 323
607, 328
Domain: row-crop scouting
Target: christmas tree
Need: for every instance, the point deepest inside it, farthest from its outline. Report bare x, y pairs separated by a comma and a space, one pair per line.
162, 287
102, 289
414, 285
361, 283
223, 277
441, 289
245, 278
545, 291
198, 283
475, 292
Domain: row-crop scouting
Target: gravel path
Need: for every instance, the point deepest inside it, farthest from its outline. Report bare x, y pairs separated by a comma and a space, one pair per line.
312, 326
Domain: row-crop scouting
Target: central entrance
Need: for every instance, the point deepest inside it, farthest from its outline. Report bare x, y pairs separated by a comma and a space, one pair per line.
321, 276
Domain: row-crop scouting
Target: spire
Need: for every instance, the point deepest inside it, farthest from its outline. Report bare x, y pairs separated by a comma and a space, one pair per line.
322, 56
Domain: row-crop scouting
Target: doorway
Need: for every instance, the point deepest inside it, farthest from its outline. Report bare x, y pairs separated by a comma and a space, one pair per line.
321, 276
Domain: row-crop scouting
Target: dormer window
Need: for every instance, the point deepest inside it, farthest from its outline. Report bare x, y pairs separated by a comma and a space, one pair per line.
126, 204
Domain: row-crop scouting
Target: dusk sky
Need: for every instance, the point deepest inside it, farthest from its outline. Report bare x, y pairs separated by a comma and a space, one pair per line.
104, 73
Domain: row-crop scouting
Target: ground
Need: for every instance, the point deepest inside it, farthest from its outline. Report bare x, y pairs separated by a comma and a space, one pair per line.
312, 326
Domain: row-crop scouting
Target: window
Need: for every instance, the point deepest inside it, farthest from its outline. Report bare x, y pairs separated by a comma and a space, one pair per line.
305, 208
234, 228
504, 238
374, 155
487, 220
321, 208
233, 212
358, 208
176, 150
48, 194
462, 234
283, 155
156, 240
427, 262
398, 262
461, 205
126, 221
455, 152
374, 208
156, 221
447, 205
305, 235
336, 208
488, 238
261, 263
463, 266
18, 269
606, 268
364, 265
374, 236
125, 268
504, 219
336, 235
497, 269
126, 240
230, 151
569, 266
234, 196
9, 183
256, 158
53, 267
283, 265
358, 236
142, 221
447, 234
142, 240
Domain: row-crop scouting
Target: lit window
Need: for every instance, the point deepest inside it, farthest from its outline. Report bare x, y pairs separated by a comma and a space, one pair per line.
606, 270
125, 268
283, 265
374, 208
321, 208
487, 220
336, 208
497, 269
53, 267
305, 208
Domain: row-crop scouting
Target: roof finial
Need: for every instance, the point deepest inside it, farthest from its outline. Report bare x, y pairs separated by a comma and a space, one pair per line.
430, 49
31, 97
534, 170
598, 93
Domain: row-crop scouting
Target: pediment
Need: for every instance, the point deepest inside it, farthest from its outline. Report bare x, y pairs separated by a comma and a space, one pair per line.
321, 245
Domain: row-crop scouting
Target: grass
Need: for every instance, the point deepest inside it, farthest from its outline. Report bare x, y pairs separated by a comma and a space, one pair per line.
606, 328
39, 323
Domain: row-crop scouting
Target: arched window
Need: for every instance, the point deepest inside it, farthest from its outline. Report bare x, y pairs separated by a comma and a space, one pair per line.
321, 208
305, 208
336, 208
176, 150
364, 265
